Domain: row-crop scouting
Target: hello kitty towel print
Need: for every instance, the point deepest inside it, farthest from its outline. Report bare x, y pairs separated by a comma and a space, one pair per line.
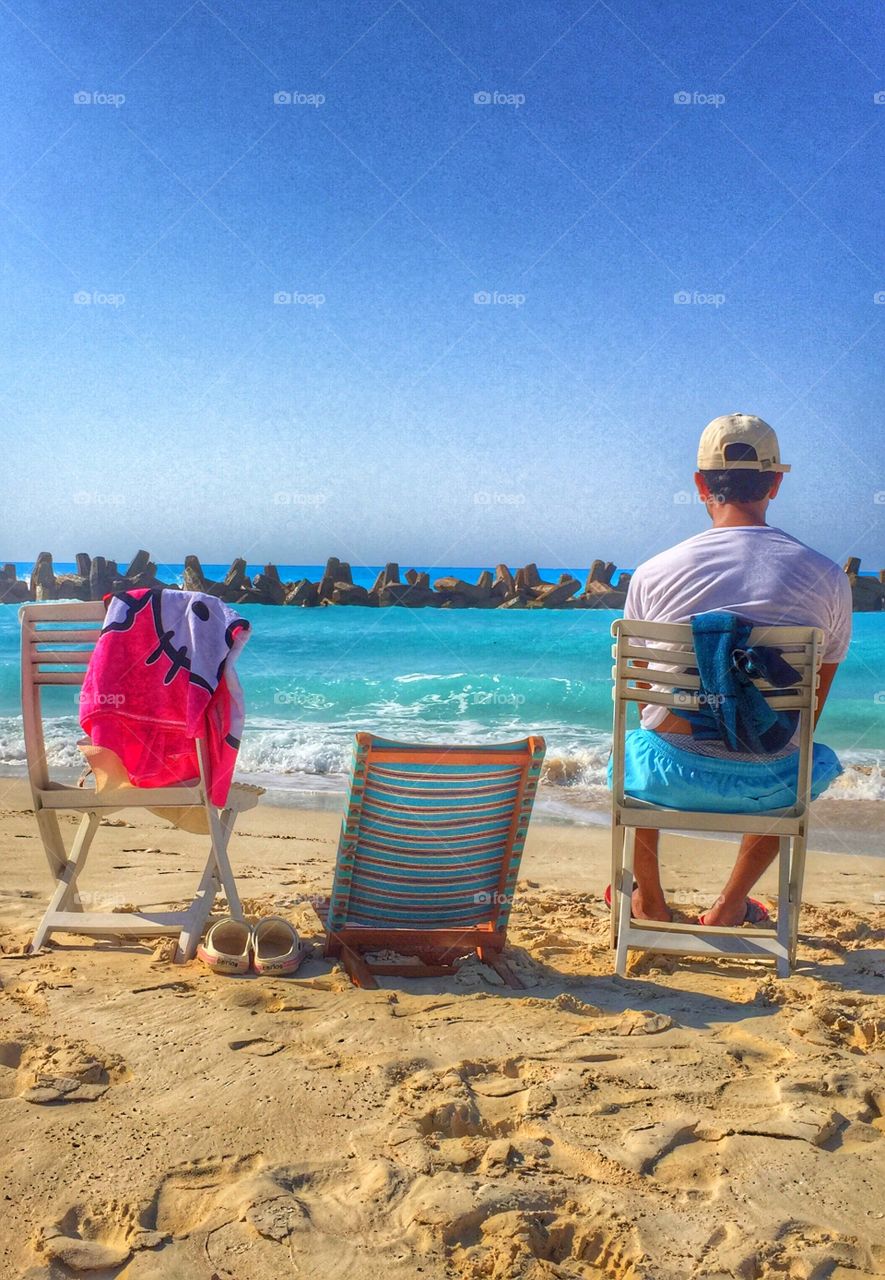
161, 676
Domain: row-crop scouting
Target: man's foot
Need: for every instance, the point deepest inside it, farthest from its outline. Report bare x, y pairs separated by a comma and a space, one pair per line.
654, 908
729, 914
644, 907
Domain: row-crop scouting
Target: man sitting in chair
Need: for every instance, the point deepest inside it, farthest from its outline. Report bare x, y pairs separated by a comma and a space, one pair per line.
746, 567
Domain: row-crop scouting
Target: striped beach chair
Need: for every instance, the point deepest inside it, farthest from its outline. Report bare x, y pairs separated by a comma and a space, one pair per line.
429, 855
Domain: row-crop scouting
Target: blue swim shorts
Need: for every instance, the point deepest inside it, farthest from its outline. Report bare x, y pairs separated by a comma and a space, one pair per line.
660, 773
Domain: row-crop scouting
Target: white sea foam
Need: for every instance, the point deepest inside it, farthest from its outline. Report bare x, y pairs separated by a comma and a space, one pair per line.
60, 738
284, 753
296, 754
862, 780
415, 677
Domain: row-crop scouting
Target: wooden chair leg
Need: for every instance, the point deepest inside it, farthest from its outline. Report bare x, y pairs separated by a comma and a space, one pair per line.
65, 896
358, 971
784, 913
85, 834
217, 874
220, 829
797, 878
199, 912
496, 961
53, 843
624, 892
619, 833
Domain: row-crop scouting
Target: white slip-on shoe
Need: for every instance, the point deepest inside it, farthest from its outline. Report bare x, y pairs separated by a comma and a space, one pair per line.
276, 946
227, 947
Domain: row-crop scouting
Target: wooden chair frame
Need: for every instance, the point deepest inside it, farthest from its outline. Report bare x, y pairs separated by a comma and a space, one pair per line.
48, 659
671, 644
437, 949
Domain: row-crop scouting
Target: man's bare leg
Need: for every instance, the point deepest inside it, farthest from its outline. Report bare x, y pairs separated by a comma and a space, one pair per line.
756, 855
649, 902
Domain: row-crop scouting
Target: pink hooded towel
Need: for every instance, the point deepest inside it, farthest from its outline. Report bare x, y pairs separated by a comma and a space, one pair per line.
160, 677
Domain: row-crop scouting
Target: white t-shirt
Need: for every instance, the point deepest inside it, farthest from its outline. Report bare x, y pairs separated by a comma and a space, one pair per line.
758, 572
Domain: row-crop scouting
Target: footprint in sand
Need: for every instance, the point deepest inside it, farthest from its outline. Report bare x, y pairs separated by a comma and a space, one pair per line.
66, 1071
14, 943
692, 1152
570, 1242
11, 1052
189, 1195
842, 929
803, 1250
852, 1022
31, 995
239, 1219
89, 1238
474, 1115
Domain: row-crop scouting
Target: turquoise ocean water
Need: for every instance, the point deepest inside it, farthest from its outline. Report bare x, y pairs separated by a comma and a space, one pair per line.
312, 677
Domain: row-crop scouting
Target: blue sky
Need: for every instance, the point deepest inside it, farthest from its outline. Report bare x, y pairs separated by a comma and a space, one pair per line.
525, 252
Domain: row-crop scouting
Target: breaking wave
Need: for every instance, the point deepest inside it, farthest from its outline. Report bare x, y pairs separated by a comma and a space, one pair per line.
296, 757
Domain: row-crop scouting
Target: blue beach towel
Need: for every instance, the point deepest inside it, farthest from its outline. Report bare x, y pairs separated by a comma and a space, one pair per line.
734, 710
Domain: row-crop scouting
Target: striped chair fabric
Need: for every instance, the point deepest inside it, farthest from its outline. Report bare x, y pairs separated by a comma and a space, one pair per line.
433, 836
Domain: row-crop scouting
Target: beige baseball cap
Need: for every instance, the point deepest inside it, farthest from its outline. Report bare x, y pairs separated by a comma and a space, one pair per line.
758, 447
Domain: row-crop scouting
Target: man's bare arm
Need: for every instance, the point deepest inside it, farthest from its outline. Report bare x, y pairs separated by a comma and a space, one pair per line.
827, 672
641, 684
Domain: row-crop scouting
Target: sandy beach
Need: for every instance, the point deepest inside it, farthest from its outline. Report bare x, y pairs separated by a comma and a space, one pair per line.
695, 1120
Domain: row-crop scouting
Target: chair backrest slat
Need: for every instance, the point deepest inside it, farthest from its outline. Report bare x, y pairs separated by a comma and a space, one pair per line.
59, 677
694, 701
688, 679
681, 633
47, 646
60, 657
669, 653
83, 634
45, 631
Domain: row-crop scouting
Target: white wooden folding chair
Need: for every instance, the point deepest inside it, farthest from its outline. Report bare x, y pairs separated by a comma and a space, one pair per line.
56, 642
666, 652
